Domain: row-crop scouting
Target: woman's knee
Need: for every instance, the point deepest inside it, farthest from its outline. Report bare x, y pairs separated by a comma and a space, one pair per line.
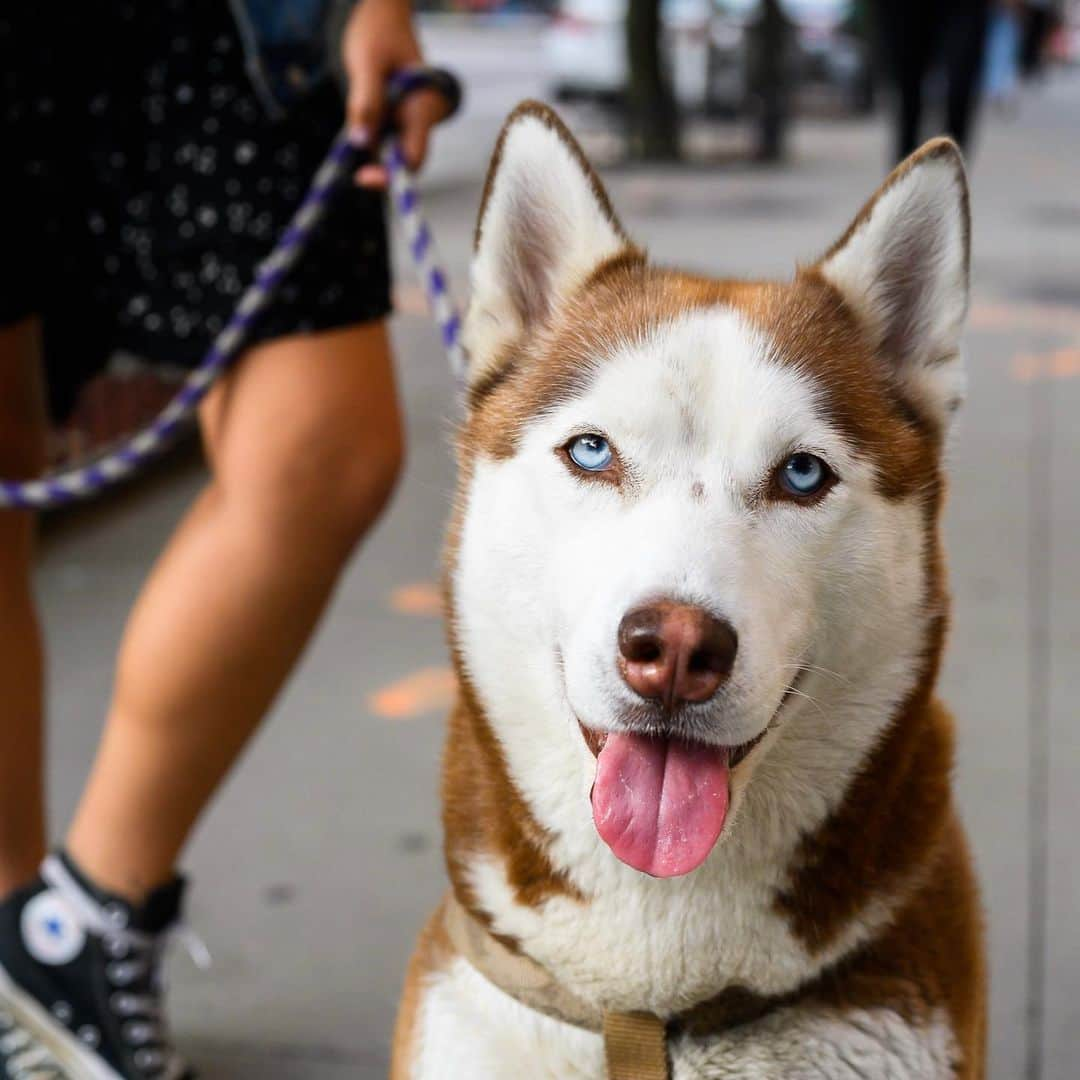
305, 438
366, 477
326, 485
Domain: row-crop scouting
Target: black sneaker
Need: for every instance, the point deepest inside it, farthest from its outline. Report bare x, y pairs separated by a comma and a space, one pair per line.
22, 1057
80, 972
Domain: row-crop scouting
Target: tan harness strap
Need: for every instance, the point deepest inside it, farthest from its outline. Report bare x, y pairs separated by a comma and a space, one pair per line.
519, 976
635, 1044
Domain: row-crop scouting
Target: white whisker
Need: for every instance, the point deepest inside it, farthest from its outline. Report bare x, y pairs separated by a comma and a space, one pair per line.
800, 693
821, 670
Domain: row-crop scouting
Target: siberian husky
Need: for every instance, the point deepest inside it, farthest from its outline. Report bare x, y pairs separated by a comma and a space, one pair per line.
696, 777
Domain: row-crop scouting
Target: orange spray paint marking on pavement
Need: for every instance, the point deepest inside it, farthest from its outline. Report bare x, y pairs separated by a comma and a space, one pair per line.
1063, 319
427, 690
1045, 318
417, 598
1059, 364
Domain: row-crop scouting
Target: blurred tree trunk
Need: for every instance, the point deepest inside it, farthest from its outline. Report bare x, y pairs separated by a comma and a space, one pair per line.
652, 118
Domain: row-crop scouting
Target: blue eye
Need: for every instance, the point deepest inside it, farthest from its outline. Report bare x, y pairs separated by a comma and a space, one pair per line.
804, 474
590, 452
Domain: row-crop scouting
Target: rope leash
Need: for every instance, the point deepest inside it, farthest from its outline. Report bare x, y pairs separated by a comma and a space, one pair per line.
136, 451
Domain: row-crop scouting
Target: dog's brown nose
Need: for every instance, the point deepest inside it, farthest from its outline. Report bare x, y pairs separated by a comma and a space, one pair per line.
675, 653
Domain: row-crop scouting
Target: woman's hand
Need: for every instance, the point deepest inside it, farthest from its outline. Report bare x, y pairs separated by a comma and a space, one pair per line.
379, 39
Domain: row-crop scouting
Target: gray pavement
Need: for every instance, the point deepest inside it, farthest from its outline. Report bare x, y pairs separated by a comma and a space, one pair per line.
318, 862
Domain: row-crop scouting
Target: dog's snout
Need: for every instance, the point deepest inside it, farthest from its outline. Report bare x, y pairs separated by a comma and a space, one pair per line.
675, 653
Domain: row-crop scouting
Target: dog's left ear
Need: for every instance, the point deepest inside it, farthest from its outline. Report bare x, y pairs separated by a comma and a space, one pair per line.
902, 266
545, 225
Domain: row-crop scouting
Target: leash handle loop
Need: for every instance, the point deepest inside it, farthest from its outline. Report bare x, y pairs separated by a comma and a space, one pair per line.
406, 81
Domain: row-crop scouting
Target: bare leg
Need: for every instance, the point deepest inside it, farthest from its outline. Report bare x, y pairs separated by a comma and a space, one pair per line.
22, 454
305, 443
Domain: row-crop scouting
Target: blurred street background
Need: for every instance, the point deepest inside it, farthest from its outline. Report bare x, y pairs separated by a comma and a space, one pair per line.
315, 868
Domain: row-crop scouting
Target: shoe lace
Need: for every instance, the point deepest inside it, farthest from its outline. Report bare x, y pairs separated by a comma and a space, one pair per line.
134, 971
22, 1056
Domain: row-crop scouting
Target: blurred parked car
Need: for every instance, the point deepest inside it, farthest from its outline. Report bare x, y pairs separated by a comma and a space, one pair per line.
707, 47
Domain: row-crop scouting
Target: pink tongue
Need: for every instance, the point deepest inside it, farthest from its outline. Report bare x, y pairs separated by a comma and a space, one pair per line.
660, 804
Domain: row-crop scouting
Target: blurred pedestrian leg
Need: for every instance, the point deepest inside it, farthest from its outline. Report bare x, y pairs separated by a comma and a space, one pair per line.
652, 117
769, 63
1001, 71
916, 36
1039, 18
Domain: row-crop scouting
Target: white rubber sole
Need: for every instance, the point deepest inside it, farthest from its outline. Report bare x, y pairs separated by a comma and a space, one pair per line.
73, 1056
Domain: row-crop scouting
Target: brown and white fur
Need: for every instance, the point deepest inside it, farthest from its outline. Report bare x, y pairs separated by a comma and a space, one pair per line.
838, 913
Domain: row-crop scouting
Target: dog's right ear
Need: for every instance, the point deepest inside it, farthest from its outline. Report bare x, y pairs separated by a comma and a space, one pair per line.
545, 225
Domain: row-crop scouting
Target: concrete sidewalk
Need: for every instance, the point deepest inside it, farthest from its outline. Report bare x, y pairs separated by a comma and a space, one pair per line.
318, 863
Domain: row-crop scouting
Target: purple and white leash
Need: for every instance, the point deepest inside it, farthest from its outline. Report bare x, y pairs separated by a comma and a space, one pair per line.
425, 257
137, 450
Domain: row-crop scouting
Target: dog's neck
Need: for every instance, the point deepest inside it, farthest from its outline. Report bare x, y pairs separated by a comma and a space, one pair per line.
843, 811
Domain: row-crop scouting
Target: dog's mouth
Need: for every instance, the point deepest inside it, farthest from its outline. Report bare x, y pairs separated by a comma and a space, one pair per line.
595, 741
660, 801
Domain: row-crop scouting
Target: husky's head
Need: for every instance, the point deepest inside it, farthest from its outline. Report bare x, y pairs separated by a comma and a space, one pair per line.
692, 512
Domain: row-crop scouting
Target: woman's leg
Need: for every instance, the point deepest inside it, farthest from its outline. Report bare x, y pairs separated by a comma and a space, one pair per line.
907, 31
305, 444
22, 454
965, 42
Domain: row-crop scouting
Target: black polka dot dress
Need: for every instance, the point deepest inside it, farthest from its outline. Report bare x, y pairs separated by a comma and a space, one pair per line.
143, 180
